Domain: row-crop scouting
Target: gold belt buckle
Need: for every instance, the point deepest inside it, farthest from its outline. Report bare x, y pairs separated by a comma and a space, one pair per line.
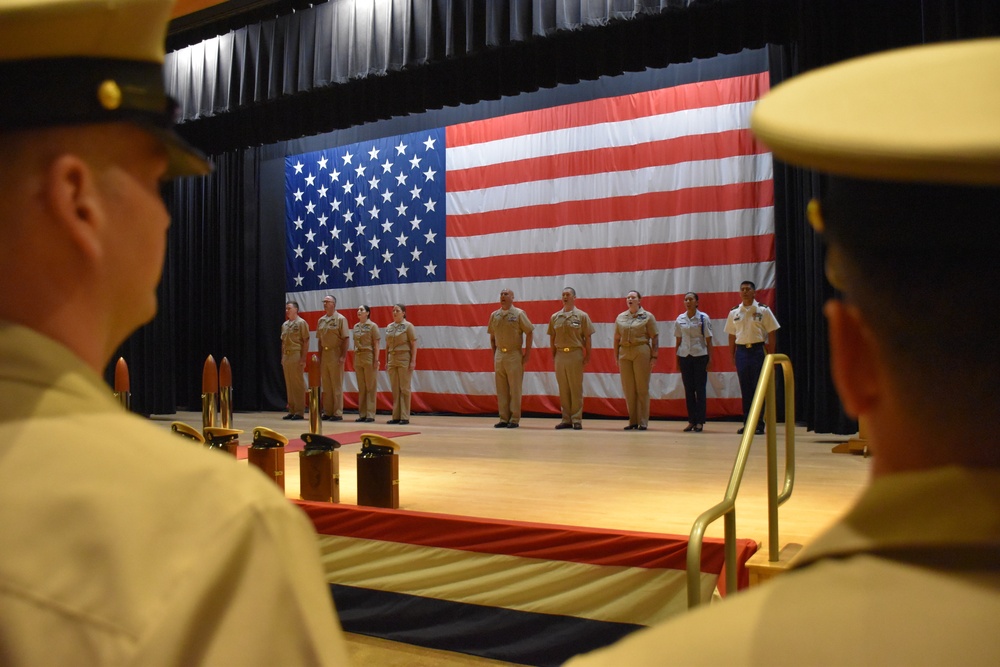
565, 349
503, 349
748, 345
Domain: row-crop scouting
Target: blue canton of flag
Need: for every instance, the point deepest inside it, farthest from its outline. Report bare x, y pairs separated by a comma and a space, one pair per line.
371, 213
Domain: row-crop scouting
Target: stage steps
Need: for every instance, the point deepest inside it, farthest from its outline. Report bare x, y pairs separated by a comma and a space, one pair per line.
761, 569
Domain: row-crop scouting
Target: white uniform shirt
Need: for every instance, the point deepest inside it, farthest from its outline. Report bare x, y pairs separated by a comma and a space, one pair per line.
693, 332
751, 324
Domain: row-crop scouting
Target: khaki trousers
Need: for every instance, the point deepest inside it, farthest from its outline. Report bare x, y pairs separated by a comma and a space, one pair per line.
295, 383
509, 371
332, 379
399, 379
364, 370
569, 375
633, 363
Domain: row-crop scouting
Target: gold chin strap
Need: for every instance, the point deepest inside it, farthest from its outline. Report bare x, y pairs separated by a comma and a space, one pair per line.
814, 213
832, 262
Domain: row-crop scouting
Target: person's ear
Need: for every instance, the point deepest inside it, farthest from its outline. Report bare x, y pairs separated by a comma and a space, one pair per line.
72, 194
854, 358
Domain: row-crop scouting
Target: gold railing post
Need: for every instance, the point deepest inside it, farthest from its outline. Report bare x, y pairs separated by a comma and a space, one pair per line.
729, 523
764, 399
771, 419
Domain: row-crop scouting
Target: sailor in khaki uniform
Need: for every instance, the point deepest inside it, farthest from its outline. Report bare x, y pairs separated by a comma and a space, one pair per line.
121, 545
751, 326
294, 347
636, 346
909, 141
332, 338
509, 329
366, 339
401, 359
570, 330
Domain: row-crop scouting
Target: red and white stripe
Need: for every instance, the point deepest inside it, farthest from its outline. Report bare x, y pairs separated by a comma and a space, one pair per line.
664, 192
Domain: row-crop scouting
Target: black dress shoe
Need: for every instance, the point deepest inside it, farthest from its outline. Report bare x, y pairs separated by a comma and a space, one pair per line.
631, 427
562, 425
760, 430
370, 419
360, 419
392, 421
740, 431
697, 428
641, 427
577, 427
288, 416
296, 418
335, 418
513, 425
500, 425
404, 421
690, 427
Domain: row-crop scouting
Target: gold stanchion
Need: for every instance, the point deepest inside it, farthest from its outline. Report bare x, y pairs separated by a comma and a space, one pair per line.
315, 416
225, 393
209, 388
122, 385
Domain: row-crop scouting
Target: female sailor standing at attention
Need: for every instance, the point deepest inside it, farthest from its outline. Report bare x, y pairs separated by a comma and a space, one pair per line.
636, 349
401, 359
366, 363
693, 331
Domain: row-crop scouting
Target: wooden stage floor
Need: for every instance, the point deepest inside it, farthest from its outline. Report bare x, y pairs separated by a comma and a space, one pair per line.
658, 480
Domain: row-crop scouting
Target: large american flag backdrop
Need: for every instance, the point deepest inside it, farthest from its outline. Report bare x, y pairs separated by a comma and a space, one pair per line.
663, 192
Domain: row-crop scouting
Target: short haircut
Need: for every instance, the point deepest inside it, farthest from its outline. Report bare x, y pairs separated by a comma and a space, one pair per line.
401, 307
295, 304
908, 288
570, 289
750, 283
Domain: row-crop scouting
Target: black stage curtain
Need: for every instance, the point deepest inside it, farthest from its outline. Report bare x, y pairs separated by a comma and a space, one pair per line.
344, 63
827, 32
213, 298
285, 78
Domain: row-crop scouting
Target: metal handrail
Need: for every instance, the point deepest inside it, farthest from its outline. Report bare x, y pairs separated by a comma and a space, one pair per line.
764, 397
